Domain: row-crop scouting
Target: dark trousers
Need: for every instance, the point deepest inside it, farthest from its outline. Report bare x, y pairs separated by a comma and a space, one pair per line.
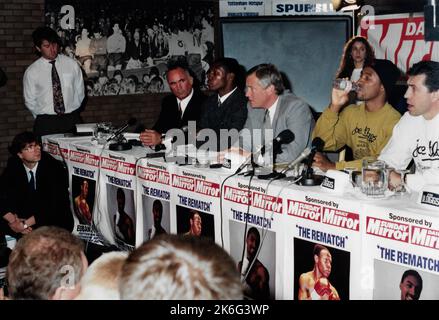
50, 124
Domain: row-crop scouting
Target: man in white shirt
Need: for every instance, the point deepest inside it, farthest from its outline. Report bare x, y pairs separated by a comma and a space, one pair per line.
53, 86
416, 135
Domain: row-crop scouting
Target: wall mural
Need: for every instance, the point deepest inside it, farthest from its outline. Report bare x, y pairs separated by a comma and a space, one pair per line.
124, 47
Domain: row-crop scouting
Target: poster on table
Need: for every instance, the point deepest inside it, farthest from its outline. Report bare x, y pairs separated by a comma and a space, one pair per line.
195, 202
252, 222
323, 245
83, 167
400, 254
57, 145
116, 217
153, 199
399, 38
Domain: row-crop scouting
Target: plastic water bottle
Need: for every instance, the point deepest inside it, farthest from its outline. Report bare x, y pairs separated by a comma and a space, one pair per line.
341, 84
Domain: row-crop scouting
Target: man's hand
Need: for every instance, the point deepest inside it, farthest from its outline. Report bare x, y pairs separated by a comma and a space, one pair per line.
150, 137
323, 163
339, 98
232, 150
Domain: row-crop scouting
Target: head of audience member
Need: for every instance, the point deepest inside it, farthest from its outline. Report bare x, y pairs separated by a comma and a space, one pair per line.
410, 285
195, 223
263, 85
180, 80
357, 52
423, 89
222, 75
46, 42
25, 145
322, 261
157, 212
171, 267
252, 241
156, 85
46, 264
101, 280
118, 75
377, 80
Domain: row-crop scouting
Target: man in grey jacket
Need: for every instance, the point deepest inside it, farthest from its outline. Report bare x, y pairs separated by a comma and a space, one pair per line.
271, 110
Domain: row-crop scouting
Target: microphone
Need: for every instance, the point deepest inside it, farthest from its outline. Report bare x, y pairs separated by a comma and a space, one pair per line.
317, 145
170, 140
284, 137
305, 153
131, 121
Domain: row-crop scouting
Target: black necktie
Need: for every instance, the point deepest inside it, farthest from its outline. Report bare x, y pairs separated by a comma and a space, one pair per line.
219, 102
58, 101
31, 181
180, 112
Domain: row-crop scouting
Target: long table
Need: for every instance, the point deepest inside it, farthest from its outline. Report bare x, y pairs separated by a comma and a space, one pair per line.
372, 242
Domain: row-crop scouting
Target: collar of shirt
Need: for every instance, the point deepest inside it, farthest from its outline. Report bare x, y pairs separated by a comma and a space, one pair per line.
34, 170
224, 97
272, 110
185, 101
46, 61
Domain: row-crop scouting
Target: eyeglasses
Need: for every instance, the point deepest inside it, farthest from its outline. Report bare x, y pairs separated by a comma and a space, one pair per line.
31, 147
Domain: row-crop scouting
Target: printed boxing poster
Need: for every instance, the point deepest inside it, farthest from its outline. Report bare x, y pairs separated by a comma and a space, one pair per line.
323, 245
400, 39
153, 199
195, 202
57, 145
116, 217
83, 167
400, 252
253, 231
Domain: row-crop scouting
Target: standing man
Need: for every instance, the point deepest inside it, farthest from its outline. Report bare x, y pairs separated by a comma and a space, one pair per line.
227, 108
365, 128
177, 109
273, 110
82, 208
256, 283
35, 188
53, 86
123, 223
416, 135
314, 285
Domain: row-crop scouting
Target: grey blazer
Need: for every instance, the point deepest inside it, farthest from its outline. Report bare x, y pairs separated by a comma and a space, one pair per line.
292, 113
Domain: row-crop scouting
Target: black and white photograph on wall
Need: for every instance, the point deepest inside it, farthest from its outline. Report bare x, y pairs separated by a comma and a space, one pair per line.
125, 47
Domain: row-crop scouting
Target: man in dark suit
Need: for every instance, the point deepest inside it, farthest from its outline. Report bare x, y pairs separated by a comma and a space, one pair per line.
178, 109
34, 188
227, 109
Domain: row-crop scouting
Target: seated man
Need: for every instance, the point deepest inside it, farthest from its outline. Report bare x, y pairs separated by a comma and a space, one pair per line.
416, 135
227, 108
273, 110
365, 128
177, 109
35, 188
171, 267
46, 264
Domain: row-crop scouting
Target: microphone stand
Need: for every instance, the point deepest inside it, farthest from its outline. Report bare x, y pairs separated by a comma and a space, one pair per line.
274, 174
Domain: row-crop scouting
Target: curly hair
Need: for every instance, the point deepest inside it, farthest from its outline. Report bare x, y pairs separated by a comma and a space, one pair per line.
347, 63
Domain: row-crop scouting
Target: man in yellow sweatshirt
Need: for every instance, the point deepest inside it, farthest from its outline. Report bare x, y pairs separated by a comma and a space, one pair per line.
365, 128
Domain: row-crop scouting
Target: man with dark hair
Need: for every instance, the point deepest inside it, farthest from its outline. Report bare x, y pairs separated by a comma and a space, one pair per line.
123, 223
256, 281
195, 224
177, 109
172, 267
226, 109
82, 209
416, 135
35, 188
46, 264
364, 128
315, 285
53, 86
410, 285
157, 213
273, 110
